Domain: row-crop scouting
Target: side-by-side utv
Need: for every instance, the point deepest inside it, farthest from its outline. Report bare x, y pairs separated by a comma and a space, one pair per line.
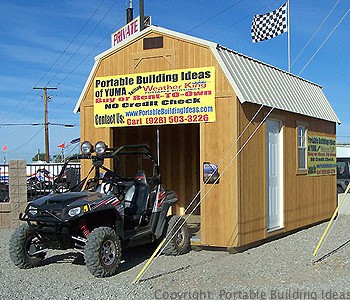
103, 214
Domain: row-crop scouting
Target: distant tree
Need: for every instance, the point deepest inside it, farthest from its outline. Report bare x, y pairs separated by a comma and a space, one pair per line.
57, 158
39, 157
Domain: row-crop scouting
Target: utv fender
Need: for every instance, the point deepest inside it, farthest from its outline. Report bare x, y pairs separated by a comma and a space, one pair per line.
170, 199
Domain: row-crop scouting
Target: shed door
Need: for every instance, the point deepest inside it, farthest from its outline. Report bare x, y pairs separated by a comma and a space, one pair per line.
274, 168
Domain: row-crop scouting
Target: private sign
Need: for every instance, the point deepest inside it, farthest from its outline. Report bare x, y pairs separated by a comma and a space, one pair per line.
125, 32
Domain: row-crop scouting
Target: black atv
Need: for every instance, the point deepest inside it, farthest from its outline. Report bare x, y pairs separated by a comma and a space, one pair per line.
103, 214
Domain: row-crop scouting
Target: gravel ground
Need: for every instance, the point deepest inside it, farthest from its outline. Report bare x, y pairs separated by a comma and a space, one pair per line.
281, 269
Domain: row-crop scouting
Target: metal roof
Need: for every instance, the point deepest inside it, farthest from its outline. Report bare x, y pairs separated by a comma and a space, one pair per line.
257, 82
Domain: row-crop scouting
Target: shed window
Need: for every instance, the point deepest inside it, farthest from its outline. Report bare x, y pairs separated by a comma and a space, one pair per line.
302, 147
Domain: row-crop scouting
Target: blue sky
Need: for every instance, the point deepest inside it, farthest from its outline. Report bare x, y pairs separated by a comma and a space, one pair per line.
53, 43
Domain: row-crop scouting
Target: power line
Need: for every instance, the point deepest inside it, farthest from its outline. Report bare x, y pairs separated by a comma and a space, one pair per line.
317, 30
214, 16
26, 143
75, 52
17, 124
21, 103
230, 26
70, 43
326, 39
32, 107
88, 55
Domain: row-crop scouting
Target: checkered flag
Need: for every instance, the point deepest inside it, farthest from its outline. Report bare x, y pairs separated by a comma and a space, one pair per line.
270, 25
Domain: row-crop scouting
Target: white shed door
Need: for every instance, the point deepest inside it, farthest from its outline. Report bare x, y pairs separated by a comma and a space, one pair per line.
274, 169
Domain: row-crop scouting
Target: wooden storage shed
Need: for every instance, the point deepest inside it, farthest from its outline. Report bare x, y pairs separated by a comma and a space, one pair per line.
273, 138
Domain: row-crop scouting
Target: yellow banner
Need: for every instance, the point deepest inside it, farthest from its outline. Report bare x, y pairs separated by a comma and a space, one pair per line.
321, 155
156, 98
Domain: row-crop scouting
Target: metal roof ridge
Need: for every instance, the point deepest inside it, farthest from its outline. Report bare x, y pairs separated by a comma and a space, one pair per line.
267, 65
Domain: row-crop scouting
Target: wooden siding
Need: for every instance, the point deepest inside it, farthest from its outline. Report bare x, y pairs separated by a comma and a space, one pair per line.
233, 213
307, 199
219, 209
251, 177
180, 158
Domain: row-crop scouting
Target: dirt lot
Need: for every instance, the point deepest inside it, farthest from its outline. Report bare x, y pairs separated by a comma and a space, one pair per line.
281, 269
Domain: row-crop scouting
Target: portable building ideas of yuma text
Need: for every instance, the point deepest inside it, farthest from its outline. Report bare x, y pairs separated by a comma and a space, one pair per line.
271, 134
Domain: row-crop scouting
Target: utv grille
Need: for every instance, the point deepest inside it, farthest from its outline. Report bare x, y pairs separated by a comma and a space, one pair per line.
57, 213
46, 213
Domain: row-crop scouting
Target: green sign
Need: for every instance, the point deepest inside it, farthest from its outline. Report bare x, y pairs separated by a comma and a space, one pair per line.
321, 155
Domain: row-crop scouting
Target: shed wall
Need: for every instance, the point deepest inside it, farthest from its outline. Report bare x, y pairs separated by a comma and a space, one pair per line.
181, 156
307, 199
233, 212
219, 209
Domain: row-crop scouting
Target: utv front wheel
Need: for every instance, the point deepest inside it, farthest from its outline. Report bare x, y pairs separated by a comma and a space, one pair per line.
26, 250
178, 240
102, 252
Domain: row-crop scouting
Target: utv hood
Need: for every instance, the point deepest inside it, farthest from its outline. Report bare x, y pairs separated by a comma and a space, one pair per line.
56, 207
65, 198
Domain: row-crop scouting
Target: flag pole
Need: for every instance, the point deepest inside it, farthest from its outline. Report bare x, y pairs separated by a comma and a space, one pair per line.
288, 25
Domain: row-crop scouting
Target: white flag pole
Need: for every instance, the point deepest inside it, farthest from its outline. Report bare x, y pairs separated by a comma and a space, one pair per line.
288, 25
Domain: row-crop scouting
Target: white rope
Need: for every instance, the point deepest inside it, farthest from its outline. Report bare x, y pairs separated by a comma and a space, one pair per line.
223, 159
319, 48
216, 180
316, 31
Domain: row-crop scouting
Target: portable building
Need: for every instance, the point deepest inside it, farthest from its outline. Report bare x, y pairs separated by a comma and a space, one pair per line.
270, 134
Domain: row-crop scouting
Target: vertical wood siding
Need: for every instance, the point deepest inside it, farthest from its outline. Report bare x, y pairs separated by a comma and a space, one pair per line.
307, 199
180, 156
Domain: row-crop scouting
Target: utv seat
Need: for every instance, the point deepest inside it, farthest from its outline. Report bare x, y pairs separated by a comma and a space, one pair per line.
133, 213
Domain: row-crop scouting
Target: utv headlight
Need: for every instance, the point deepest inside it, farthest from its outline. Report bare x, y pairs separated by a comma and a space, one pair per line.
86, 148
100, 147
74, 211
32, 210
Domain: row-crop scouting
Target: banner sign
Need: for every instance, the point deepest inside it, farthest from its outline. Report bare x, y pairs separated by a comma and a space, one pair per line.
155, 98
321, 155
123, 33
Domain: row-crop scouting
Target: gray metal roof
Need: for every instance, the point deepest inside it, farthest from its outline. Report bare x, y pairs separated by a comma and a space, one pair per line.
257, 82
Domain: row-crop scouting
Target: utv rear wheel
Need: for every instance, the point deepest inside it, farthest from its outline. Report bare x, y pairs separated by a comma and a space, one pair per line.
102, 252
26, 250
179, 242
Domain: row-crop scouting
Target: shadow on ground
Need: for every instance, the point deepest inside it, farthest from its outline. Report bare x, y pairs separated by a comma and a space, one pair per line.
74, 258
135, 256
131, 257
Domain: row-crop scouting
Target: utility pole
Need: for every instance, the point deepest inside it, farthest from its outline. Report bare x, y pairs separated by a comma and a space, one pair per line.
46, 121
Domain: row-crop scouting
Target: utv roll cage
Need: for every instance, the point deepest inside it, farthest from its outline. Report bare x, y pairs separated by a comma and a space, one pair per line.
110, 153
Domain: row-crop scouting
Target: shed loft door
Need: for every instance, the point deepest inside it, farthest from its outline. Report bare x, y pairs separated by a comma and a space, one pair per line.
274, 168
